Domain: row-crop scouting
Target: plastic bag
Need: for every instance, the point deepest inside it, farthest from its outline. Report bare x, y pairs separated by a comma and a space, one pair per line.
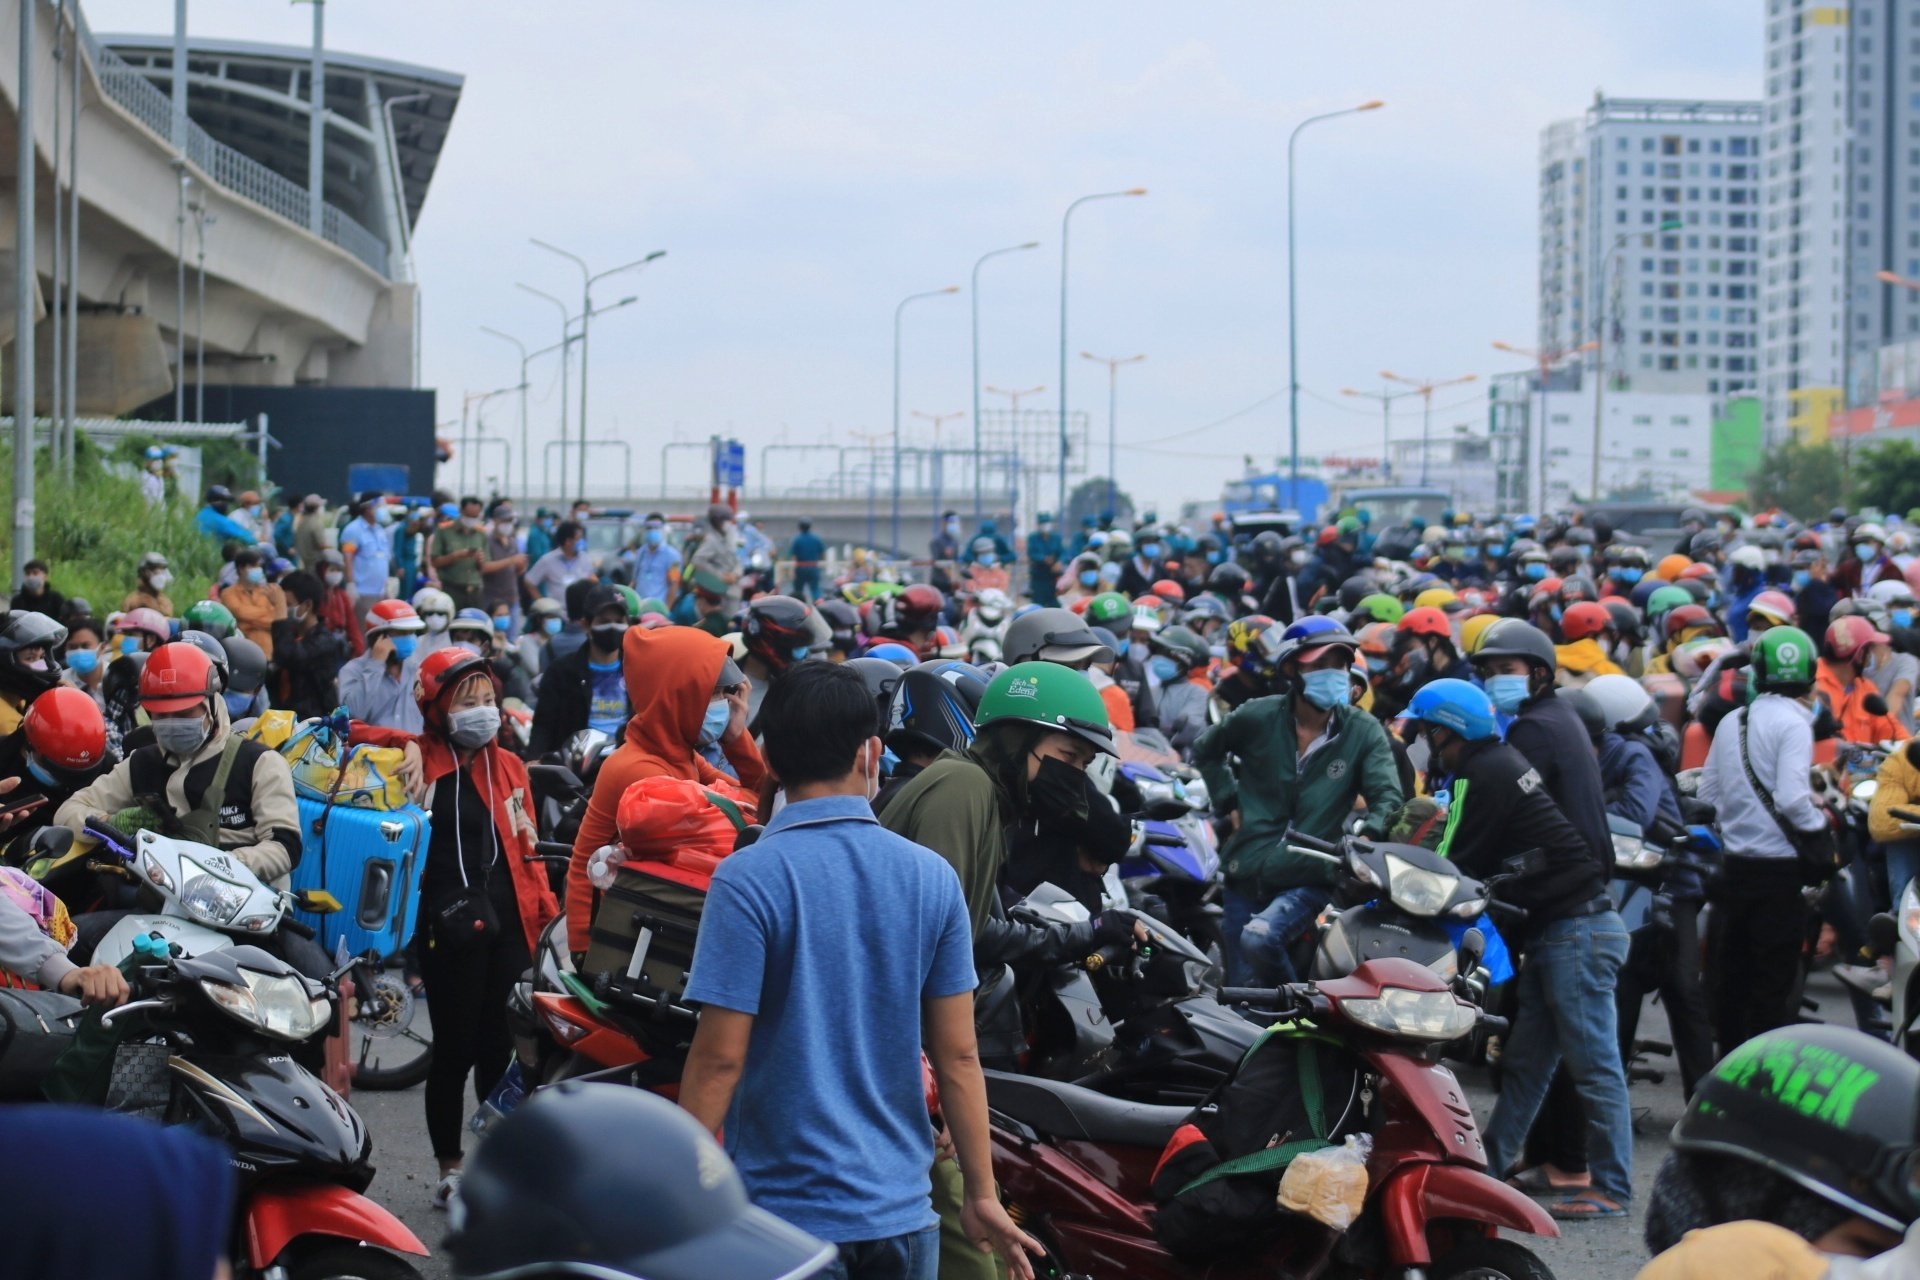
674, 820
1329, 1186
325, 768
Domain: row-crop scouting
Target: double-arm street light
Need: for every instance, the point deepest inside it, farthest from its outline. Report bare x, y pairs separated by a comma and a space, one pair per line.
587, 280
978, 512
1425, 391
1544, 359
897, 311
1066, 222
1113, 364
526, 472
1386, 399
1293, 322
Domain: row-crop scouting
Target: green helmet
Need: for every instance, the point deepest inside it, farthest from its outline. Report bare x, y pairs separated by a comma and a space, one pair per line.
1379, 607
1665, 598
1048, 695
211, 617
1347, 527
1832, 1109
652, 604
1782, 658
1108, 608
635, 605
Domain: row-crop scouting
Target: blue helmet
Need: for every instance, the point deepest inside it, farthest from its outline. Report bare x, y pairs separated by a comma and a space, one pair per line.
1313, 632
1454, 704
895, 652
1523, 526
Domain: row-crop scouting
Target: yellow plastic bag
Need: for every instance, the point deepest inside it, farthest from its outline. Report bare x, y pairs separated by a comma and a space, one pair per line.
356, 777
272, 729
1329, 1185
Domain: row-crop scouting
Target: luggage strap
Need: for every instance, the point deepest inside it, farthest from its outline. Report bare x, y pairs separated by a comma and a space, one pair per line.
729, 808
203, 823
1268, 1159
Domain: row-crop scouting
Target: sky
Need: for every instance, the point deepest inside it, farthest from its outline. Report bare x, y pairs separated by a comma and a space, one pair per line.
807, 166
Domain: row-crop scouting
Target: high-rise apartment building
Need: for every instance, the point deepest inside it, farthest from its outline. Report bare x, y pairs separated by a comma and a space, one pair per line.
1650, 243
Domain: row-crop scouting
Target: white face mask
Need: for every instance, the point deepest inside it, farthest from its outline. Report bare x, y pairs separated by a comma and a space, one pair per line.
160, 578
436, 622
333, 577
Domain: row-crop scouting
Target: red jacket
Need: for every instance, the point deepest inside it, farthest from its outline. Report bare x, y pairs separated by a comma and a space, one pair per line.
338, 614
511, 805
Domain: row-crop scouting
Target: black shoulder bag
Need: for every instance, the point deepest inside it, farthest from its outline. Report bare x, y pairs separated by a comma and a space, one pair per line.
1818, 851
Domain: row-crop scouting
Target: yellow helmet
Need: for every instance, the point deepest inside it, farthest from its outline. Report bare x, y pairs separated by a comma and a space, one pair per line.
1474, 629
1436, 598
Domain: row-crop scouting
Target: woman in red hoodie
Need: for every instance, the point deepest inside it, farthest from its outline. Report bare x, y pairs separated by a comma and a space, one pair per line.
482, 903
686, 693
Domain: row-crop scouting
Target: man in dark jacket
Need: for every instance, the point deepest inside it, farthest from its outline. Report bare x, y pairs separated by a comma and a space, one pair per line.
307, 654
583, 689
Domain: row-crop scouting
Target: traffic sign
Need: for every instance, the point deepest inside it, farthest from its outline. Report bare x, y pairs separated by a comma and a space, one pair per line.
730, 465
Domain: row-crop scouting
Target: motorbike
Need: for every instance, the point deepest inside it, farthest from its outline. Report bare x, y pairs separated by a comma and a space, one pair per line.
1075, 1165
208, 1048
1651, 869
1896, 934
1172, 868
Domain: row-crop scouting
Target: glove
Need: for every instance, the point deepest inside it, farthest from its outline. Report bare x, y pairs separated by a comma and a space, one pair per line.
1114, 929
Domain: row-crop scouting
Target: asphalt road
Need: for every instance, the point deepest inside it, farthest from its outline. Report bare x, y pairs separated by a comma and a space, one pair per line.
1610, 1250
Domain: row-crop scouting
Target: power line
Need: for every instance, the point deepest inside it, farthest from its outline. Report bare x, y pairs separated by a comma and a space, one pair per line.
1145, 446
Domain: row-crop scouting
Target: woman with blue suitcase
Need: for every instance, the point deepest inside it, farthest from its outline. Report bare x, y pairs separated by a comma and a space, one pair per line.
482, 903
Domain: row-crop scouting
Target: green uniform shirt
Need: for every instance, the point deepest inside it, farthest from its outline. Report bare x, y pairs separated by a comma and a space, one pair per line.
953, 808
455, 537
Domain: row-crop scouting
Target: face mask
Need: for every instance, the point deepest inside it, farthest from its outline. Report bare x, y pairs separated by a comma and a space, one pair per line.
41, 774
1627, 575
333, 577
403, 646
1456, 554
180, 737
160, 579
35, 581
988, 559
799, 653
256, 576
129, 645
1377, 664
1151, 551
1120, 649
953, 526
83, 661
502, 623
1901, 618
1556, 611
1219, 651
383, 516
436, 622
504, 528
1058, 791
1299, 557
239, 705
714, 723
1507, 692
1214, 557
474, 727
607, 637
656, 536
1109, 572
551, 626
1801, 577
1863, 550
1327, 689
1164, 669
1533, 572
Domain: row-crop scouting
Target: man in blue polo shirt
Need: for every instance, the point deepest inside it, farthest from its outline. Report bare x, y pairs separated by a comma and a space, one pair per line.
828, 951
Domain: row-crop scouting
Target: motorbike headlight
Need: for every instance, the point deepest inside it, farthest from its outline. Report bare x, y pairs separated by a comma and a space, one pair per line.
1417, 892
1468, 910
1417, 1015
1863, 790
158, 874
277, 1004
1445, 965
208, 898
1361, 871
1196, 793
1634, 854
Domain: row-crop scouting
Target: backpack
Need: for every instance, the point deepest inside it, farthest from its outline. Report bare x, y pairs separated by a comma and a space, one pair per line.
1218, 1180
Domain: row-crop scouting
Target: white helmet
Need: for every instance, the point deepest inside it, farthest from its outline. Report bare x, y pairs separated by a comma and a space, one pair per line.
1870, 533
1622, 701
1748, 557
435, 608
1890, 591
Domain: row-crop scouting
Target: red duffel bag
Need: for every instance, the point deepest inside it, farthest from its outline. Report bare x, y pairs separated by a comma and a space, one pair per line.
682, 823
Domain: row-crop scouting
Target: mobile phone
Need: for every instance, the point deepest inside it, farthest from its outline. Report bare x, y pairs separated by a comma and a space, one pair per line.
25, 806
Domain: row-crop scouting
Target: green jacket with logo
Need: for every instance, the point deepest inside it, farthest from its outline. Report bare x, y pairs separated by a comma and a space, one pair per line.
1251, 761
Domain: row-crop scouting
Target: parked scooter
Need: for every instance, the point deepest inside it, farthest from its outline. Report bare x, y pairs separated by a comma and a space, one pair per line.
1075, 1165
1659, 882
1896, 933
1172, 869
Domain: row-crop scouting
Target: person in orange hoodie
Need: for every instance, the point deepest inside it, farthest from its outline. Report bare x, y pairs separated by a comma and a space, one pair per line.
255, 603
1843, 687
685, 691
482, 902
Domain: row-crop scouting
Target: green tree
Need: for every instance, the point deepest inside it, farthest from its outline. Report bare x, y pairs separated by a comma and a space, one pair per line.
1887, 476
1089, 498
1806, 480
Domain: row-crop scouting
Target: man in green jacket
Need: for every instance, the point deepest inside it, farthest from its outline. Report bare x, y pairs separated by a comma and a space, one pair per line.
1297, 760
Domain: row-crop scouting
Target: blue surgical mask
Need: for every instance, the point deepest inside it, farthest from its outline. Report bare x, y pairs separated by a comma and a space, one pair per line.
551, 626
83, 661
502, 623
403, 646
1627, 574
1215, 557
799, 653
1866, 551
1533, 571
1556, 611
1164, 669
1508, 692
1327, 689
1089, 577
988, 558
1801, 577
656, 536
1901, 618
41, 774
1151, 551
129, 645
714, 723
1377, 664
1120, 648
239, 705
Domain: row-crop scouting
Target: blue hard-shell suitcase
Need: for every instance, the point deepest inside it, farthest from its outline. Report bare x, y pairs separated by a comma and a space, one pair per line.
371, 861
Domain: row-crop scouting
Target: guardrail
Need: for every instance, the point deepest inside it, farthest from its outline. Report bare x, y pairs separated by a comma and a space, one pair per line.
230, 168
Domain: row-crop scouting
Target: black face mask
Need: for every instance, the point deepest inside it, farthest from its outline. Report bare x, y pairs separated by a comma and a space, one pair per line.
1057, 794
608, 635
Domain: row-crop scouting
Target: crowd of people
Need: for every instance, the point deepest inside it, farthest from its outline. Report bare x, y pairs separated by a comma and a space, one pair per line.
1508, 690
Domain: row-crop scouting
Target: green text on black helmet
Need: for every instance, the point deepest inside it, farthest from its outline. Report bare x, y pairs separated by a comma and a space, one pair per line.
1783, 659
1050, 696
1832, 1109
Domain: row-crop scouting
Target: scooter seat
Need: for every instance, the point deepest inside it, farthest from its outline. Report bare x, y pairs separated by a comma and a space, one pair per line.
1069, 1111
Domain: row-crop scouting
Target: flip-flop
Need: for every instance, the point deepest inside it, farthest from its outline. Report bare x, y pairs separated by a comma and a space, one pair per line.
1583, 1206
1536, 1181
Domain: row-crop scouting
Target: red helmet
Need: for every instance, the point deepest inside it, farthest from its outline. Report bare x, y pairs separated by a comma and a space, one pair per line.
1848, 635
177, 677
66, 729
1168, 589
1547, 589
444, 670
1584, 619
1430, 621
777, 628
1686, 618
1775, 605
1696, 571
919, 606
393, 615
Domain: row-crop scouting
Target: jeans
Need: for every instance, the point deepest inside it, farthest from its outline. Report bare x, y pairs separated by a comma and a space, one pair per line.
1268, 937
806, 584
1566, 1011
1235, 913
1903, 864
914, 1256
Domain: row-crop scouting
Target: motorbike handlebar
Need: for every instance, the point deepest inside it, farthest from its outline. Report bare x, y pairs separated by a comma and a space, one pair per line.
1329, 847
1904, 814
550, 851
109, 834
1275, 998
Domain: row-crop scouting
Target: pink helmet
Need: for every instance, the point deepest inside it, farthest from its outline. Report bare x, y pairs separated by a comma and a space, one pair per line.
145, 621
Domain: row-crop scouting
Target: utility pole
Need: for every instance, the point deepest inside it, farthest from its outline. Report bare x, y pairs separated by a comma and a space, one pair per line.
1425, 391
1386, 399
23, 318
317, 122
1113, 409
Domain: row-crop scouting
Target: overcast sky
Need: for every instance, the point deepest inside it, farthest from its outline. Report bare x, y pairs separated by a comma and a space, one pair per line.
808, 165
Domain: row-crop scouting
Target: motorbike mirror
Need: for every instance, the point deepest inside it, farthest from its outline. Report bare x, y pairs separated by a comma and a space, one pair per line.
53, 842
1883, 934
1473, 945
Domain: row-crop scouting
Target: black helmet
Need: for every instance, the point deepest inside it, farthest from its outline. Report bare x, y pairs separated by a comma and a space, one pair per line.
1564, 560
1694, 516
1517, 638
1183, 645
842, 622
560, 1188
933, 706
1061, 635
246, 664
1832, 1109
1588, 709
1229, 579
778, 630
216, 654
217, 494
24, 629
1267, 548
882, 677
1704, 544
1626, 619
1356, 589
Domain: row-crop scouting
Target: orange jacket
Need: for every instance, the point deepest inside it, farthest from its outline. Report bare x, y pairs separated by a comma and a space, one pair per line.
1857, 724
503, 779
670, 674
256, 609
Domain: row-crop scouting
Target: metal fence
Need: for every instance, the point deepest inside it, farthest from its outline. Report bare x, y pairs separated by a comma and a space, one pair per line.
235, 171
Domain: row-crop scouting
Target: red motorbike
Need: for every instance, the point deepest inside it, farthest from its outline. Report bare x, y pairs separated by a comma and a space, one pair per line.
1076, 1165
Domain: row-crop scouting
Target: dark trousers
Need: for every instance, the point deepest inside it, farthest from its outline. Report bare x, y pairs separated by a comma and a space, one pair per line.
467, 998
1755, 937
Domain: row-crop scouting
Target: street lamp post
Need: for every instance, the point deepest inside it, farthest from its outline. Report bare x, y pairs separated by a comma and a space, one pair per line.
1066, 220
1113, 364
526, 470
975, 298
566, 340
912, 297
1425, 391
1544, 359
1293, 326
587, 280
938, 459
1386, 399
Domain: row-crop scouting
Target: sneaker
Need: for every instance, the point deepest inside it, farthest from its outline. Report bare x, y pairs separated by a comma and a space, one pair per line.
1868, 979
443, 1194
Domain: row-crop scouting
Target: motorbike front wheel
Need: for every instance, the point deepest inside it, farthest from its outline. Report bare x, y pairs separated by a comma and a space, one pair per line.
344, 1260
1485, 1259
391, 1035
